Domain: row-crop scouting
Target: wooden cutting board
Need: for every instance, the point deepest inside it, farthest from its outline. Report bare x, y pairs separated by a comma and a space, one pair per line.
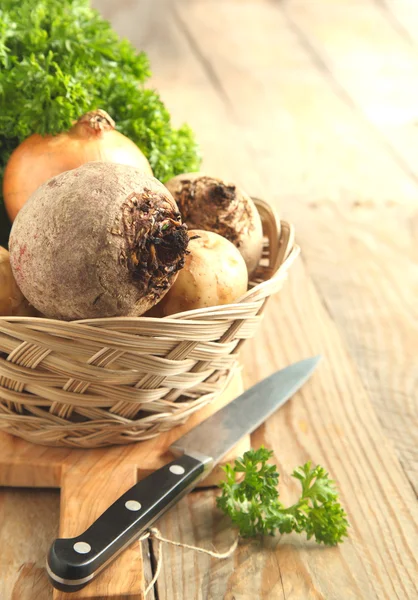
91, 480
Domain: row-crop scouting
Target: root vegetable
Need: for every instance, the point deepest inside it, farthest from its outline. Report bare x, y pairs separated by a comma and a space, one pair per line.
98, 241
38, 158
214, 273
12, 301
214, 205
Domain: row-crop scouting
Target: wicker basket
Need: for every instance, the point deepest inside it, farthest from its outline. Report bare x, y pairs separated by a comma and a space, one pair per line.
99, 382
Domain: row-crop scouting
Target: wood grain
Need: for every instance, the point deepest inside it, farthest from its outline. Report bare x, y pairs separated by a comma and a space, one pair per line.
331, 422
90, 481
404, 19
264, 83
376, 248
86, 492
375, 238
375, 262
312, 106
23, 464
330, 125
28, 523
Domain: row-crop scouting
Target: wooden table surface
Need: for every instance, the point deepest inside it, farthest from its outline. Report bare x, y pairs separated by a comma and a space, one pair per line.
312, 105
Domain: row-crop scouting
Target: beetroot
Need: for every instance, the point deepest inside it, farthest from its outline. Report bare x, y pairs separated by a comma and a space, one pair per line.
213, 204
101, 240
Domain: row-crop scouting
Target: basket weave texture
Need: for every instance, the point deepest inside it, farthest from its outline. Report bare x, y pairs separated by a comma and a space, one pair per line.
100, 382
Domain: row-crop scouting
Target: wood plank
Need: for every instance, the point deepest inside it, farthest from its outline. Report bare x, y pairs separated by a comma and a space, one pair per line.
331, 421
258, 86
151, 25
81, 503
148, 573
90, 481
371, 61
273, 122
403, 15
377, 251
308, 95
287, 115
28, 523
371, 293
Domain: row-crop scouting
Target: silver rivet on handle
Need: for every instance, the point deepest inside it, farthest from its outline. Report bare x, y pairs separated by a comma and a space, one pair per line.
82, 547
133, 505
177, 470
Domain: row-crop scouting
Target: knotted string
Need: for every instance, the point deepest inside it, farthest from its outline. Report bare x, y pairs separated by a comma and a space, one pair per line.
154, 534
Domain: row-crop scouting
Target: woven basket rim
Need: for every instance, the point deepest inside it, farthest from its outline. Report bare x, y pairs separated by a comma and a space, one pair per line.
114, 380
293, 250
171, 318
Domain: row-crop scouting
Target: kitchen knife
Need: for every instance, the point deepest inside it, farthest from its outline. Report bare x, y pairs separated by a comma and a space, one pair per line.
73, 563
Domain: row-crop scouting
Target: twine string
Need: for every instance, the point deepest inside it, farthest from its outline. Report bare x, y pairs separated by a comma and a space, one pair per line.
154, 534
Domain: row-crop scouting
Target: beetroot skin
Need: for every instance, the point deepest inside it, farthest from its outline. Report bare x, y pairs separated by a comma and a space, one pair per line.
98, 241
211, 204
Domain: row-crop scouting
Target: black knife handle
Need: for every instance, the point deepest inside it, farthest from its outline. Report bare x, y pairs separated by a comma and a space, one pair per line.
73, 563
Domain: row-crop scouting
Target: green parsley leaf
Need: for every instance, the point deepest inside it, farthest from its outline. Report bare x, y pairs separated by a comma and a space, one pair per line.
254, 507
60, 59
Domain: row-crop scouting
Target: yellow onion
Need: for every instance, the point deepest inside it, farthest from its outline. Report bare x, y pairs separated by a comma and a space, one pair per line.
38, 158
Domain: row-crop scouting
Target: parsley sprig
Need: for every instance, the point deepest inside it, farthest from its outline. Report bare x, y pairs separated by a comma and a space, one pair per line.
60, 59
254, 507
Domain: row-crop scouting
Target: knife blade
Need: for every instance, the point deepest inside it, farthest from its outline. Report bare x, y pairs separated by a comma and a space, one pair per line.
73, 562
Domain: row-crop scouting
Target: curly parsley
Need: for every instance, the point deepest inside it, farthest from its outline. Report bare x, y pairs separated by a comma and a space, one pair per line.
59, 59
254, 507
